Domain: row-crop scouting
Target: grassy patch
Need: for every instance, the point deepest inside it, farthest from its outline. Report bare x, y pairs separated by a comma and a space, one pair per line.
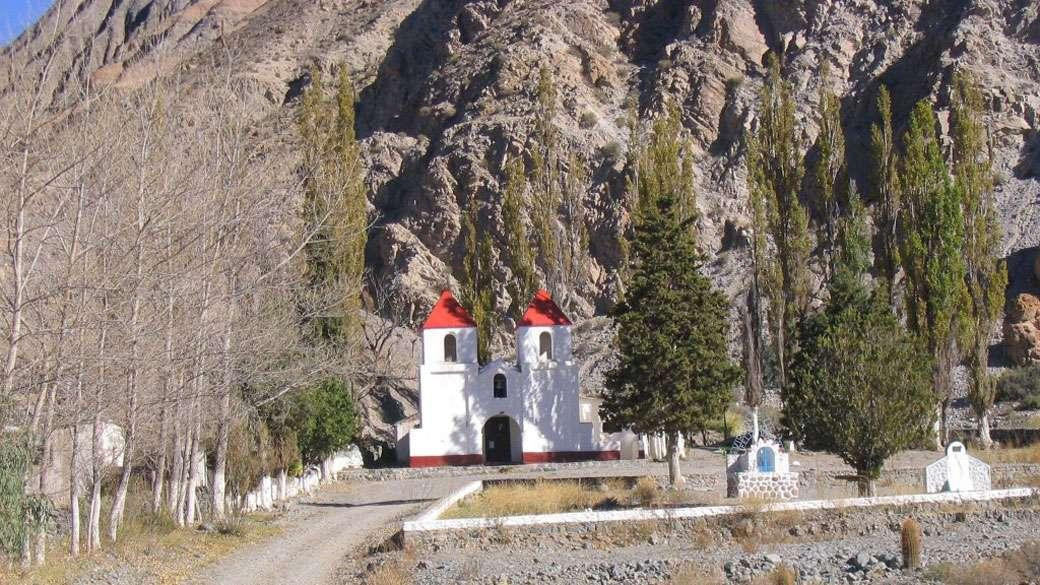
152, 546
541, 497
1030, 454
521, 498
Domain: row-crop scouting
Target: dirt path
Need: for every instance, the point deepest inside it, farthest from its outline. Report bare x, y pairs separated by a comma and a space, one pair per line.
325, 529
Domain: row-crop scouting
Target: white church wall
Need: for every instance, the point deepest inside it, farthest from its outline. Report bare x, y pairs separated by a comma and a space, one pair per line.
465, 345
528, 344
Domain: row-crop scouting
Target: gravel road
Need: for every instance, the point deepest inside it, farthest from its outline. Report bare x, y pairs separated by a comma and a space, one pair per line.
323, 530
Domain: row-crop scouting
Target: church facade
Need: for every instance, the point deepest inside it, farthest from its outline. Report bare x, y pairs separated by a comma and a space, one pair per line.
529, 411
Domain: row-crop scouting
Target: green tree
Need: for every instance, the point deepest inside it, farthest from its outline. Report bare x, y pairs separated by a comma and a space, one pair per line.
14, 505
985, 275
859, 386
830, 173
775, 172
524, 279
859, 383
545, 178
325, 418
664, 164
478, 280
335, 206
931, 250
574, 236
886, 186
674, 370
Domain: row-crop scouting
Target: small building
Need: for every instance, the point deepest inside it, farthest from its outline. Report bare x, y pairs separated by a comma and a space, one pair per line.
762, 471
957, 472
529, 411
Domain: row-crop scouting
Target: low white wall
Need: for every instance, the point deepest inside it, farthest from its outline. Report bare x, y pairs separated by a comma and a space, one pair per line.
269, 492
425, 522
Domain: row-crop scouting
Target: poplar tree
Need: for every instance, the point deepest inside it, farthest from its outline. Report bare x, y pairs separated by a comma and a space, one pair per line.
932, 251
524, 279
545, 178
574, 237
859, 383
830, 173
985, 276
335, 199
781, 243
674, 369
886, 186
665, 165
478, 281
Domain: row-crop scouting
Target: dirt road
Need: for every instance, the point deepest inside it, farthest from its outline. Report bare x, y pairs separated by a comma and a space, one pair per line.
325, 529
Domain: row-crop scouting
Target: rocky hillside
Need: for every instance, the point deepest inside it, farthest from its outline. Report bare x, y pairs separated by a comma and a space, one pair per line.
448, 92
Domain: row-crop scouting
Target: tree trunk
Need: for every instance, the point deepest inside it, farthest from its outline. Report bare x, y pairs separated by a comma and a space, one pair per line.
867, 486
190, 503
754, 425
675, 478
984, 437
74, 528
283, 488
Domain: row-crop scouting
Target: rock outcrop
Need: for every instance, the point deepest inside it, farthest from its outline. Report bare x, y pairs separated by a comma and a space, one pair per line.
448, 89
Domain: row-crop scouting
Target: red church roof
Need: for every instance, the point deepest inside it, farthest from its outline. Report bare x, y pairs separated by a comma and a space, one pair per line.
448, 313
543, 312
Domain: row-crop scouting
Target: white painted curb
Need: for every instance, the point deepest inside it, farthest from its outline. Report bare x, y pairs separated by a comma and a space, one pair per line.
428, 521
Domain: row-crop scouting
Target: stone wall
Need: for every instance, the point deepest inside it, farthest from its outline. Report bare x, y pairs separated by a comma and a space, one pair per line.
766, 486
830, 523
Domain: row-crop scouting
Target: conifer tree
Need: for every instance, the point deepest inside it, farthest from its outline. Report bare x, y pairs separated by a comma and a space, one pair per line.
775, 172
886, 186
674, 369
986, 276
931, 250
830, 174
859, 383
478, 281
524, 279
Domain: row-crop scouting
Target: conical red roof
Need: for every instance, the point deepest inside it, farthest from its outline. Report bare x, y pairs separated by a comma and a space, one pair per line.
448, 313
543, 312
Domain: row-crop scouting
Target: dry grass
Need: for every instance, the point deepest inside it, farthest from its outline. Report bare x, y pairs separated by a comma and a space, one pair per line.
1029, 454
539, 497
1020, 566
696, 575
781, 575
152, 546
390, 574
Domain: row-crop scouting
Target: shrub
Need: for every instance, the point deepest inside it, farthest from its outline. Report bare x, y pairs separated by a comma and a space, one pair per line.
232, 524
1020, 384
781, 575
587, 120
295, 469
389, 574
612, 151
646, 491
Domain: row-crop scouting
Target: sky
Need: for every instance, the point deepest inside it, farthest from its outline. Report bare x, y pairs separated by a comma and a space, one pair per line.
17, 15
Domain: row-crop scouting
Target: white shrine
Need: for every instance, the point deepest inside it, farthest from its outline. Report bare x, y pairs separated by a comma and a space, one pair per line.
529, 411
762, 471
957, 472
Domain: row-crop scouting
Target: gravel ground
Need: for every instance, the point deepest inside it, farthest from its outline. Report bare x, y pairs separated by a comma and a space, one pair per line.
320, 532
868, 558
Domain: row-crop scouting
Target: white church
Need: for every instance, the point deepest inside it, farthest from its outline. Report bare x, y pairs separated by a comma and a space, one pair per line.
499, 413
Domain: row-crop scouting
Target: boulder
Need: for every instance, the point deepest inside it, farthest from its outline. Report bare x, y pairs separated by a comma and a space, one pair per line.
1022, 341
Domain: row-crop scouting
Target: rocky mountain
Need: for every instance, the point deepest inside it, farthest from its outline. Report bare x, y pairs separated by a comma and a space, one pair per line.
448, 92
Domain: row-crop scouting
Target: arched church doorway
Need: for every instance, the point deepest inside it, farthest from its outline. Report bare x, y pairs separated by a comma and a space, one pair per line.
499, 437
